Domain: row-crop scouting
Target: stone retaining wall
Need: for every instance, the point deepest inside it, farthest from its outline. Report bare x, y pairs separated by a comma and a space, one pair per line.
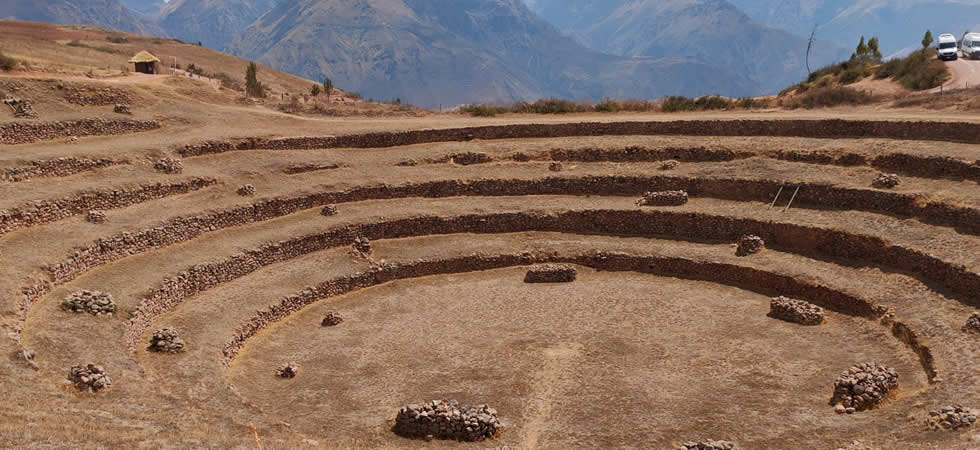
47, 211
24, 132
60, 167
831, 129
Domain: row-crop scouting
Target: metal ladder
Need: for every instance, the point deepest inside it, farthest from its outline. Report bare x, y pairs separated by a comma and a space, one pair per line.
781, 188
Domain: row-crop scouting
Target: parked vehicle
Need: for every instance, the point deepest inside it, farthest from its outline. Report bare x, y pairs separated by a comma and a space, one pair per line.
970, 45
946, 49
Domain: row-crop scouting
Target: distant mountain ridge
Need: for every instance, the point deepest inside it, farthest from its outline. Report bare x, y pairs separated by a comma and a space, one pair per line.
214, 23
103, 13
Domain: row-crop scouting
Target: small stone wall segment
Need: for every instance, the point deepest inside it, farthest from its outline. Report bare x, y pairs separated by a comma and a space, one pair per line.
23, 133
749, 244
122, 109
551, 273
47, 211
332, 319
89, 377
708, 445
246, 190
304, 168
663, 198
951, 418
886, 181
96, 216
95, 303
95, 96
169, 165
444, 420
470, 158
166, 340
669, 165
59, 167
863, 387
796, 311
329, 210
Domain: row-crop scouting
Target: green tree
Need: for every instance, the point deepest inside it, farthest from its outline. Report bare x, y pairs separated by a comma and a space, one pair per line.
862, 49
873, 50
253, 88
927, 40
315, 90
327, 87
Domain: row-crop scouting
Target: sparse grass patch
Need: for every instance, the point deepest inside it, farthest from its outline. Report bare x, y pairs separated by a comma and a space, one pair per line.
7, 63
484, 110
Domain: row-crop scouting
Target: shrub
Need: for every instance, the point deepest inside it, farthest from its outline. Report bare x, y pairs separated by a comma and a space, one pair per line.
76, 43
677, 103
918, 71
484, 110
7, 63
253, 88
549, 106
706, 103
828, 97
608, 106
117, 39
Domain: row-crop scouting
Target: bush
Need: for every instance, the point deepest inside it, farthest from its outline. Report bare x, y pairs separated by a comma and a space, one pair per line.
7, 63
918, 71
549, 106
608, 106
677, 103
484, 110
828, 97
706, 103
117, 39
76, 43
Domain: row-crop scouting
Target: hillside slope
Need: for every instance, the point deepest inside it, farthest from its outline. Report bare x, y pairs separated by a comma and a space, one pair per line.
712, 31
432, 52
102, 13
214, 23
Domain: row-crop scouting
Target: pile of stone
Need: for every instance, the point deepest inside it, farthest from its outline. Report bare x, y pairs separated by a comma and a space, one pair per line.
89, 377
551, 273
886, 181
447, 420
663, 198
169, 165
468, 158
521, 157
407, 163
670, 164
20, 107
863, 387
951, 418
972, 324
246, 190
332, 319
122, 109
749, 245
708, 445
92, 302
329, 210
556, 167
797, 311
288, 370
166, 340
96, 216
362, 245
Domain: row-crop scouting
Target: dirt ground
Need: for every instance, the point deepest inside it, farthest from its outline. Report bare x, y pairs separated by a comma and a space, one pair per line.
615, 359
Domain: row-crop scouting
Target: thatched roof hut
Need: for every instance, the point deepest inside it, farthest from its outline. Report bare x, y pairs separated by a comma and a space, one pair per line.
145, 62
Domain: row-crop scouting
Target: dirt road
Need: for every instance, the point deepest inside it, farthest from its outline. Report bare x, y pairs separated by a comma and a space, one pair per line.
966, 73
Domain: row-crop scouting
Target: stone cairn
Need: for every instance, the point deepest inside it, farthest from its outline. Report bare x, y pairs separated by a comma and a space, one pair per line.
92, 302
20, 107
288, 370
863, 387
885, 181
556, 167
89, 377
246, 190
972, 324
362, 246
551, 273
708, 445
332, 319
166, 340
329, 210
670, 164
797, 311
169, 165
121, 109
448, 421
96, 216
750, 245
951, 418
663, 198
468, 158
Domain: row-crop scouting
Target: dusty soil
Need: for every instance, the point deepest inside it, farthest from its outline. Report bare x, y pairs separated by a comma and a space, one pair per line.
614, 359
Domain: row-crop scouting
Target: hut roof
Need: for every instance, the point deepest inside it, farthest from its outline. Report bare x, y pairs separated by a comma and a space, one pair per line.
143, 57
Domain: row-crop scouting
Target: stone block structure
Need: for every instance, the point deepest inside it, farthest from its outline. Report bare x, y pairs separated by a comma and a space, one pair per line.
556, 166
92, 302
89, 377
670, 164
332, 319
447, 421
972, 324
750, 244
246, 190
121, 108
951, 418
863, 387
329, 210
796, 311
96, 216
708, 445
288, 370
886, 181
663, 198
169, 165
469, 158
362, 245
551, 273
166, 340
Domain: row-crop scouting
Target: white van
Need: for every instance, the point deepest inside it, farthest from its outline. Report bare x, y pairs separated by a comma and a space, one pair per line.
970, 45
946, 49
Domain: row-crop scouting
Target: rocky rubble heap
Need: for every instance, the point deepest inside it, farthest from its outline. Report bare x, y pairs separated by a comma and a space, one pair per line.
952, 418
749, 245
26, 132
169, 165
886, 181
166, 340
797, 311
89, 377
96, 216
288, 370
246, 190
20, 107
663, 198
362, 245
92, 302
468, 158
708, 445
863, 387
58, 167
329, 210
551, 273
670, 164
122, 109
556, 167
447, 420
972, 324
332, 319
